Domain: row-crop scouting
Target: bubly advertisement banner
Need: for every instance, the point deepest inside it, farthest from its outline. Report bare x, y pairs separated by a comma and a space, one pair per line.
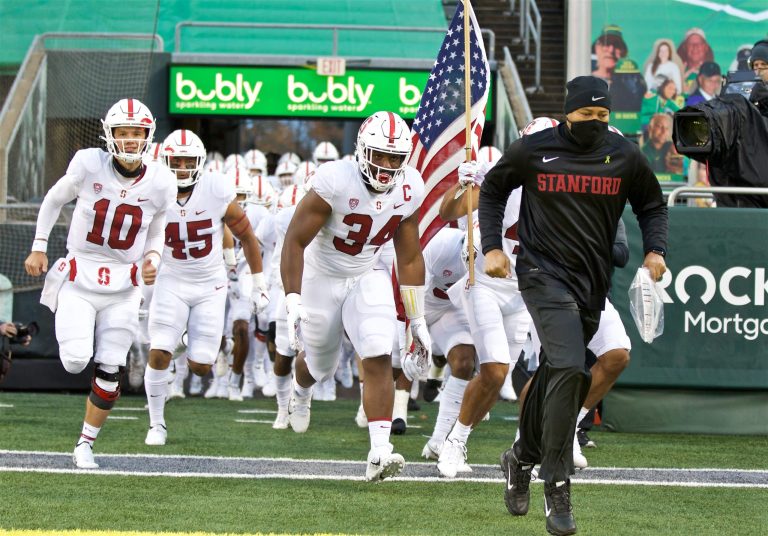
661, 55
293, 92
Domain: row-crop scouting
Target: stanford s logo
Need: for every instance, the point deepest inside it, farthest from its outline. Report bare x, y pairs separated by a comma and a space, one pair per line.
62, 266
97, 187
353, 203
103, 276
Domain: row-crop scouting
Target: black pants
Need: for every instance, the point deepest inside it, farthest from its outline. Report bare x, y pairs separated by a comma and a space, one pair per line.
561, 382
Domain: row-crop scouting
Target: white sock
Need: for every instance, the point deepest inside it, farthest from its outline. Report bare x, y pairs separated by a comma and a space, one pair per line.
379, 432
156, 386
182, 371
450, 405
234, 379
400, 409
301, 392
283, 384
582, 414
248, 368
88, 434
460, 432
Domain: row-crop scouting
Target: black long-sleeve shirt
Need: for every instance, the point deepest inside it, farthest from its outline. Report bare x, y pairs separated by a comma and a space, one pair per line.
572, 201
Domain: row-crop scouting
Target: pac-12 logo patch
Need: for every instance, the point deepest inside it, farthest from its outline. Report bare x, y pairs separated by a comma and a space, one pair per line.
353, 203
97, 187
447, 273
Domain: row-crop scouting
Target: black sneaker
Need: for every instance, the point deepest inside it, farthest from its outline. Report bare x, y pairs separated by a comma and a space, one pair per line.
413, 405
398, 426
584, 441
432, 389
557, 507
517, 494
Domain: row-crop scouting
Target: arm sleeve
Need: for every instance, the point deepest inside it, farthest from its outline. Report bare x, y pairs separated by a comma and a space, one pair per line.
156, 234
620, 246
648, 205
504, 177
65, 190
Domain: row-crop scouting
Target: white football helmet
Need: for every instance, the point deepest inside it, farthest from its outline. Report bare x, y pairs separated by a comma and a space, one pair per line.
243, 184
256, 162
232, 161
616, 130
214, 165
214, 155
324, 152
263, 192
292, 157
489, 154
290, 196
349, 157
285, 173
383, 132
539, 124
184, 143
302, 175
128, 113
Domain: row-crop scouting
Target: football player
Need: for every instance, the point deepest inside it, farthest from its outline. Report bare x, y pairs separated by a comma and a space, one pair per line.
351, 210
192, 283
116, 234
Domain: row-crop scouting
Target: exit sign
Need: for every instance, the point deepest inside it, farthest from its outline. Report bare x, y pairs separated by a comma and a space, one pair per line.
331, 66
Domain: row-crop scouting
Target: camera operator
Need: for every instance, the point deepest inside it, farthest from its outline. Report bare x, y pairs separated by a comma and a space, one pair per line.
13, 333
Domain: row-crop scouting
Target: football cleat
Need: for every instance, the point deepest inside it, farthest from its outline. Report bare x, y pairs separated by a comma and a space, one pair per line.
579, 460
156, 435
176, 391
432, 389
558, 509
453, 459
195, 385
517, 494
298, 413
399, 426
281, 421
270, 388
584, 441
383, 465
247, 390
233, 393
431, 450
82, 457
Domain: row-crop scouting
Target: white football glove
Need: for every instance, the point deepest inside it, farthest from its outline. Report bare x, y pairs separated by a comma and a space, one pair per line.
416, 363
472, 173
259, 294
296, 314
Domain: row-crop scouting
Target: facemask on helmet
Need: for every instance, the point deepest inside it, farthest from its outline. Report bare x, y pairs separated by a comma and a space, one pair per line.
383, 147
128, 113
285, 173
324, 152
290, 196
186, 144
255, 162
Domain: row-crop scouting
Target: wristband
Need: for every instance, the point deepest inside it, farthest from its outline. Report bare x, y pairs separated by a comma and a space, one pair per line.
229, 256
258, 281
413, 300
40, 244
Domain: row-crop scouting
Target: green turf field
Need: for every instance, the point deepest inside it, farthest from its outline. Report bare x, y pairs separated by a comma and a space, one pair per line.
42, 500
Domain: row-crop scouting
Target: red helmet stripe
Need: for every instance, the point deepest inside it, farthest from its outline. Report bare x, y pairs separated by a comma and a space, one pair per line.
293, 196
130, 108
157, 151
259, 181
391, 127
183, 137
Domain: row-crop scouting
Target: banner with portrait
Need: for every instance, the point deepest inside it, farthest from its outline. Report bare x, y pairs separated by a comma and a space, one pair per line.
661, 55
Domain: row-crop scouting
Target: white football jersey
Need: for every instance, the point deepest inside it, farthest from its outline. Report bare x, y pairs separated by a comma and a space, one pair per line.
112, 213
510, 246
444, 266
265, 233
194, 231
281, 221
362, 221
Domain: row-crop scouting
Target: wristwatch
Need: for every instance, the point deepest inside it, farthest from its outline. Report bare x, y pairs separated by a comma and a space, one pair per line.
657, 251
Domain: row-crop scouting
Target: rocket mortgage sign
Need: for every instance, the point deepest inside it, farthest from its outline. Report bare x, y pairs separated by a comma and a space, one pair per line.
292, 92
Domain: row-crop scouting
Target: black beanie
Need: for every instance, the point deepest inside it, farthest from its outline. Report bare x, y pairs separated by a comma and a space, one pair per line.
585, 91
759, 52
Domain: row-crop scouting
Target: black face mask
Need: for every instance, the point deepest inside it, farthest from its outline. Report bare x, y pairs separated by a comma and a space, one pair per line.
589, 133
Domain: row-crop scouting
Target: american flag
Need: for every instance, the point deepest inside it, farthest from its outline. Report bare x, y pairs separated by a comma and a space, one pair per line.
440, 123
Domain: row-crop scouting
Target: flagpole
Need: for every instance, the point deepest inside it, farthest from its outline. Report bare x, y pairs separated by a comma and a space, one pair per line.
468, 144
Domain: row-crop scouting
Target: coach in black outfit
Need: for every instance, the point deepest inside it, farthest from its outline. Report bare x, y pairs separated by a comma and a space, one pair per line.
576, 180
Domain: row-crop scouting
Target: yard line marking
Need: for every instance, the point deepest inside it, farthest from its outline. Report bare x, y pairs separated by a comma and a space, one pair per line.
254, 421
6, 405
129, 408
325, 461
122, 418
269, 411
284, 476
510, 418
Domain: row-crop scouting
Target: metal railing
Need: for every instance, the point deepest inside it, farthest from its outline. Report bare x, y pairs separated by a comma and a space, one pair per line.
488, 35
515, 90
530, 30
706, 192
